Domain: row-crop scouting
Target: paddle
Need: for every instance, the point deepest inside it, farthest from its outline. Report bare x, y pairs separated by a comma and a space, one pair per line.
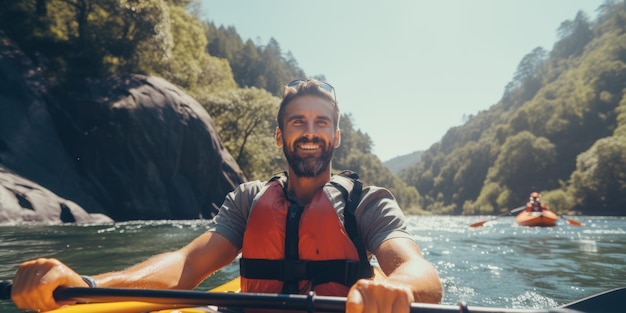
570, 221
481, 223
605, 302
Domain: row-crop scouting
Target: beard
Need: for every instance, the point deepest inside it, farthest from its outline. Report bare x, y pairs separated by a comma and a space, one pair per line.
310, 165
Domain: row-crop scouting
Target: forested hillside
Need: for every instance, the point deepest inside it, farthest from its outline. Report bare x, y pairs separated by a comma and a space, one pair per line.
560, 128
74, 42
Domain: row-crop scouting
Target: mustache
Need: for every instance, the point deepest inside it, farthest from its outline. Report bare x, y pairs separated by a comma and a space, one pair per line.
305, 140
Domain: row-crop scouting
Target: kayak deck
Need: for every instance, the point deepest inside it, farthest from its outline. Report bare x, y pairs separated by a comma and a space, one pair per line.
138, 306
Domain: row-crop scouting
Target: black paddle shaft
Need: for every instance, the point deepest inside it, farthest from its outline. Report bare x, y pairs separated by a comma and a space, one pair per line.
605, 302
308, 303
305, 303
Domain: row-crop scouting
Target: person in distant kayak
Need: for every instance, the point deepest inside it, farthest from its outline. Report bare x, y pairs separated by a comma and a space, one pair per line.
296, 232
534, 204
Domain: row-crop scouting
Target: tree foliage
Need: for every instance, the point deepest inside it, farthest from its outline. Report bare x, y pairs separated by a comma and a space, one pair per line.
263, 66
599, 181
245, 121
524, 163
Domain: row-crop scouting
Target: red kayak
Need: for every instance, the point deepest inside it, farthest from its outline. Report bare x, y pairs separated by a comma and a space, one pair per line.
545, 218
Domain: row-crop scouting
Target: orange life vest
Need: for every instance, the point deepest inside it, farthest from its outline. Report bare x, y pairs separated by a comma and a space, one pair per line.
326, 259
535, 206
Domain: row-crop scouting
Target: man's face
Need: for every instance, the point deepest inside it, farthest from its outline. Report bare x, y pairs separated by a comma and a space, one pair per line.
309, 136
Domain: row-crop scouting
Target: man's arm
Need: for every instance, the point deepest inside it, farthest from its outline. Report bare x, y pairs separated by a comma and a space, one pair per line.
401, 259
185, 268
410, 278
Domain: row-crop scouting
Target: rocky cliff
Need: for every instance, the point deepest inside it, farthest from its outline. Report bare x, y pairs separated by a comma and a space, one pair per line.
124, 148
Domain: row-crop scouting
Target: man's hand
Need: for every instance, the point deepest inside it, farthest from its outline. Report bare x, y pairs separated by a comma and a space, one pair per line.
369, 296
36, 280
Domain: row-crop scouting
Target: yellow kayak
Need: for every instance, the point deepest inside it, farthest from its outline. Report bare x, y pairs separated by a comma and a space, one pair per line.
232, 286
607, 302
137, 306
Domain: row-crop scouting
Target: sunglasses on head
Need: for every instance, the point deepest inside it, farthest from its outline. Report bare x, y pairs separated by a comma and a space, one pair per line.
323, 85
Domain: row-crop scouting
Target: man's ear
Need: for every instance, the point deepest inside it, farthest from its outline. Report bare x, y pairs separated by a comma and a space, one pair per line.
337, 138
279, 137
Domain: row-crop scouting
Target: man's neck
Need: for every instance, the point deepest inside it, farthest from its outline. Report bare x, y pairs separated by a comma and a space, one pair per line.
305, 188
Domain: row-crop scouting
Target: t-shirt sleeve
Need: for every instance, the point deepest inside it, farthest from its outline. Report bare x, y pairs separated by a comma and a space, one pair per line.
380, 218
232, 217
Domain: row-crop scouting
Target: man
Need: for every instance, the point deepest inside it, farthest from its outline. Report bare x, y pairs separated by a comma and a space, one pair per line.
534, 204
257, 220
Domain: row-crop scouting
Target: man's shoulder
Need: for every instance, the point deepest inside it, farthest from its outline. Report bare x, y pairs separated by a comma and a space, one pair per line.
253, 186
373, 189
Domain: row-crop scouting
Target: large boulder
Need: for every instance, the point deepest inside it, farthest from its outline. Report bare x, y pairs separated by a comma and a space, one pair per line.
147, 150
130, 148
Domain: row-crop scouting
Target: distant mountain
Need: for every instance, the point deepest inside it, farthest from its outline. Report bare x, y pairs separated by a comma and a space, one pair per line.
397, 164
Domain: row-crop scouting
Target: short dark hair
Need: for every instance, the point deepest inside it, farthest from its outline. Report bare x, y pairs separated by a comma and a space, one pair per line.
308, 87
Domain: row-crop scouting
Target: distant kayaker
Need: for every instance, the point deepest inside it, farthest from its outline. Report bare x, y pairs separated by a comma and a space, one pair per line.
535, 204
278, 253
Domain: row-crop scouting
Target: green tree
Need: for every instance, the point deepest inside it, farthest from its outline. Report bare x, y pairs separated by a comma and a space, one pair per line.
528, 77
620, 130
244, 119
190, 66
599, 181
524, 165
223, 42
573, 37
263, 66
247, 68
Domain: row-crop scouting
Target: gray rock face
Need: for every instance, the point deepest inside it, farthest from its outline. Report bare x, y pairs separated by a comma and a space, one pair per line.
23, 201
132, 147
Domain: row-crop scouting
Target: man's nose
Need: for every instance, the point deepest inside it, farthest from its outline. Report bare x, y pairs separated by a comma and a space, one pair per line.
310, 129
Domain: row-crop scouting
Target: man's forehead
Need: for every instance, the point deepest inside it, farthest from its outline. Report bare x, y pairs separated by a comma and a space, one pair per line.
309, 105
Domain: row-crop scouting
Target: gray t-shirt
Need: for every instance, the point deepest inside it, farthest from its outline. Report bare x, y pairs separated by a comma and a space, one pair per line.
378, 214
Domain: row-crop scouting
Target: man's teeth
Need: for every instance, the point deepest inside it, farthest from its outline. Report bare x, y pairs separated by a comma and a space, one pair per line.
309, 147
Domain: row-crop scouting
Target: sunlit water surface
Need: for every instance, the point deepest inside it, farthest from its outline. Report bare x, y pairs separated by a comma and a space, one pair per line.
497, 265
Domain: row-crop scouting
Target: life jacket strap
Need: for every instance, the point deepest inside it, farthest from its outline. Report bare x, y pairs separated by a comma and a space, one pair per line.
345, 272
352, 194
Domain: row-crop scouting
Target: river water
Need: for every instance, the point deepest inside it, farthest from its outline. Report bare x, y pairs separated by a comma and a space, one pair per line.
497, 265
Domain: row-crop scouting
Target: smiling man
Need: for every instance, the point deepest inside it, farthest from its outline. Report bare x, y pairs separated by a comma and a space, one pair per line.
308, 133
296, 232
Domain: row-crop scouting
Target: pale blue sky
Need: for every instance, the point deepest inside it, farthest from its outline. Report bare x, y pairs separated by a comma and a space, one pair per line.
406, 70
